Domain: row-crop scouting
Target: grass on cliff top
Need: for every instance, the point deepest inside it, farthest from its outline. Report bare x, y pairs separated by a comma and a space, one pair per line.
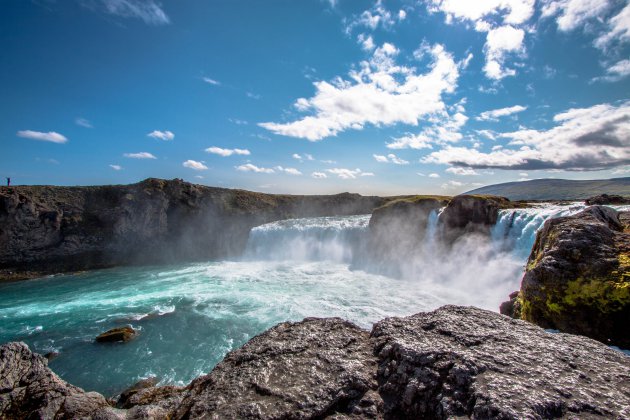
415, 199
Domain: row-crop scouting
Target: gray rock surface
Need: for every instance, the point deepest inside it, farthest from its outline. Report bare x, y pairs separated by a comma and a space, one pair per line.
578, 276
47, 229
455, 362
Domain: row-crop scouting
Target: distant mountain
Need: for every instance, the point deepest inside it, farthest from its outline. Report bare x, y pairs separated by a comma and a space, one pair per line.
557, 189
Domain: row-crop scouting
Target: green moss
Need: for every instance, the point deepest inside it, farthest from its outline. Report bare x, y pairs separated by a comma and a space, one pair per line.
607, 295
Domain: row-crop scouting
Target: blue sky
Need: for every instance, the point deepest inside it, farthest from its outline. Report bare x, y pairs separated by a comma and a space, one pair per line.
315, 96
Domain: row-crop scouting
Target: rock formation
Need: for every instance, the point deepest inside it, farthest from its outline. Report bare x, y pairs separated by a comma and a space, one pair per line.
452, 362
45, 229
604, 199
118, 334
578, 276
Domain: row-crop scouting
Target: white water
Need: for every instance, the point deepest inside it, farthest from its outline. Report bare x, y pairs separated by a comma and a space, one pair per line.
191, 315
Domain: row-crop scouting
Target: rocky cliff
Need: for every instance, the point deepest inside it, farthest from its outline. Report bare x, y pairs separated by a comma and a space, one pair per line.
577, 278
455, 362
45, 229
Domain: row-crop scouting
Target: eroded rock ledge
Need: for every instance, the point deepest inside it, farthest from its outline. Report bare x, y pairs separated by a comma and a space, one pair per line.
452, 362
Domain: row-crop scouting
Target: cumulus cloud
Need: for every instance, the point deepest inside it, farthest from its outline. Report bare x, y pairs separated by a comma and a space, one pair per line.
495, 114
162, 135
379, 93
319, 175
390, 158
248, 167
458, 170
510, 11
373, 18
344, 173
302, 157
148, 11
501, 19
434, 175
444, 129
193, 164
619, 29
227, 152
139, 155
572, 14
290, 171
83, 123
616, 72
500, 42
591, 138
50, 136
366, 42
116, 167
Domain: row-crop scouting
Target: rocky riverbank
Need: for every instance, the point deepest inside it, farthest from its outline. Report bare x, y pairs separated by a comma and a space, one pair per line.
47, 229
452, 362
577, 278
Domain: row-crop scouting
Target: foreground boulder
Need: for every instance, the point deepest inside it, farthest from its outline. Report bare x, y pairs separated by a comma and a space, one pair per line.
120, 334
455, 362
578, 276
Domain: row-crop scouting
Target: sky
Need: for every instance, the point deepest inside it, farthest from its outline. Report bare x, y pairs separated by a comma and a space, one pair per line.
314, 96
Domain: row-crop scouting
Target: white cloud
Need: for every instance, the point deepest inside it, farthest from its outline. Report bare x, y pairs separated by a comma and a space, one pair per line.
434, 175
402, 15
495, 114
499, 43
380, 93
344, 173
140, 155
290, 171
373, 18
147, 10
83, 123
572, 14
211, 81
116, 167
237, 121
619, 29
452, 185
390, 158
248, 167
227, 152
366, 41
193, 164
511, 11
591, 138
50, 136
458, 170
319, 175
252, 95
445, 129
616, 72
162, 135
303, 157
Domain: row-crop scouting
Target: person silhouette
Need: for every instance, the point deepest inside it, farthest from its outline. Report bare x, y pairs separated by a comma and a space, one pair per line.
8, 181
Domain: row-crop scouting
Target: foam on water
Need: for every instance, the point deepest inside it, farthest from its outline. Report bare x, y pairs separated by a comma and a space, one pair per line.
191, 315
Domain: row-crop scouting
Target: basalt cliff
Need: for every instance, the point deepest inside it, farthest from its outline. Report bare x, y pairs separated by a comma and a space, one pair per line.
455, 362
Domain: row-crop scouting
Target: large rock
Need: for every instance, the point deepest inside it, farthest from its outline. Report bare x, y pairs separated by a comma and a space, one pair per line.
397, 231
455, 362
472, 214
119, 334
578, 276
604, 199
46, 229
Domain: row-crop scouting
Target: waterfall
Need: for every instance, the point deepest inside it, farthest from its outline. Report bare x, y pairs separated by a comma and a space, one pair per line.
337, 239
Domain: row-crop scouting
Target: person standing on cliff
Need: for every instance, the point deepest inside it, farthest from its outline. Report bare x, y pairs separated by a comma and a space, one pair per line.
8, 181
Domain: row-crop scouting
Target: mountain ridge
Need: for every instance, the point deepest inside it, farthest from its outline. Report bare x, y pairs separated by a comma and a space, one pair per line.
556, 189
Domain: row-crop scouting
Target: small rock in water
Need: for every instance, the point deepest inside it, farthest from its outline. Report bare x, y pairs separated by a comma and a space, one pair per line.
51, 355
123, 334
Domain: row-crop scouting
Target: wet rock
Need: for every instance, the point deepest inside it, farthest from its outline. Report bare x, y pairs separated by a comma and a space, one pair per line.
397, 230
118, 334
134, 389
455, 362
51, 355
311, 369
578, 276
471, 214
604, 199
29, 389
470, 363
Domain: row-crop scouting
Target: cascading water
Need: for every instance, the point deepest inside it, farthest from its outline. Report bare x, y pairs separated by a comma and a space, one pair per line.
190, 315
